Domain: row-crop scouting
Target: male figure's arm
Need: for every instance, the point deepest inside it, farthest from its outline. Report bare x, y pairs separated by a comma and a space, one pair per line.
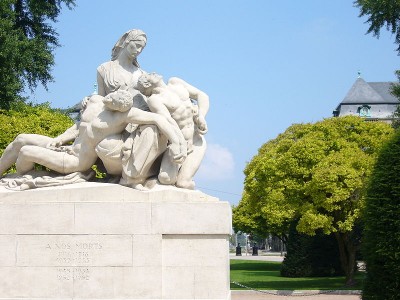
177, 147
67, 136
72, 133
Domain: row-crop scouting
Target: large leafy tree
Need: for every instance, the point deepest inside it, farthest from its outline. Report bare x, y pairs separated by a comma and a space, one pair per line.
27, 41
381, 13
381, 243
316, 173
395, 89
384, 14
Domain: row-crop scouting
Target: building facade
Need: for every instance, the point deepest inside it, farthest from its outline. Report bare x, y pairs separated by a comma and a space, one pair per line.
370, 100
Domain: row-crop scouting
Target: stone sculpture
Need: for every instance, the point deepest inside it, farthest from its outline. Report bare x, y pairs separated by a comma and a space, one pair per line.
94, 240
101, 117
173, 100
135, 142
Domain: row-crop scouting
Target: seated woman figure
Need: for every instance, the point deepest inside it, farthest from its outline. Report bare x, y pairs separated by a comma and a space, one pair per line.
133, 153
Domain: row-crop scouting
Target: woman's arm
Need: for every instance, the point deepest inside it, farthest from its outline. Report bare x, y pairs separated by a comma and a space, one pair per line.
100, 82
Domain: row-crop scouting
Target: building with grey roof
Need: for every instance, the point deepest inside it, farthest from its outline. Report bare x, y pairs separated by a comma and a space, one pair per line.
370, 100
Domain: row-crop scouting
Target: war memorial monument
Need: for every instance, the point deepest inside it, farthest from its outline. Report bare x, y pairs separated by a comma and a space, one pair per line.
147, 235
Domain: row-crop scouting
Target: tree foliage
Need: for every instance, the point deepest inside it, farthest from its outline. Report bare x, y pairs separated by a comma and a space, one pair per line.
395, 89
384, 13
27, 41
316, 173
381, 13
25, 118
381, 242
310, 256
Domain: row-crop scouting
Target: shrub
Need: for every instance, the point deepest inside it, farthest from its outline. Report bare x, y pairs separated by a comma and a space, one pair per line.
28, 118
381, 240
309, 256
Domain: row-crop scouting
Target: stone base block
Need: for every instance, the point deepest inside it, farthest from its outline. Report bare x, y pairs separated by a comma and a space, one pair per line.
103, 241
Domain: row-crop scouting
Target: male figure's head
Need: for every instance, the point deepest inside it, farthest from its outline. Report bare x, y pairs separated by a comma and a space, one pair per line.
119, 100
148, 82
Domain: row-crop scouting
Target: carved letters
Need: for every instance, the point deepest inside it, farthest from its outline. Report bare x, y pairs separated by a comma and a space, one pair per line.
66, 274
73, 254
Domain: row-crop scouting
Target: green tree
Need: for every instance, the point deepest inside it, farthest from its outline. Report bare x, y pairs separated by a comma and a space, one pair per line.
314, 256
246, 218
396, 92
27, 41
381, 13
384, 13
381, 241
316, 173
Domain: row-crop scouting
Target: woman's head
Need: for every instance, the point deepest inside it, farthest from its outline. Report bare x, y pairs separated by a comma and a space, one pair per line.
134, 40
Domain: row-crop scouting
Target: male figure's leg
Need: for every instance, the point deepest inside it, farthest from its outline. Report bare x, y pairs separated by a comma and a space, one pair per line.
109, 151
168, 170
61, 162
192, 163
10, 154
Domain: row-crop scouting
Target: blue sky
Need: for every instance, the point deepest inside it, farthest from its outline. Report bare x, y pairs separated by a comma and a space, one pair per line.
264, 64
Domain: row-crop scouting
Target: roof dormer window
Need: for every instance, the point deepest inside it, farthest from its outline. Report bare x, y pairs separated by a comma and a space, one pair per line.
364, 111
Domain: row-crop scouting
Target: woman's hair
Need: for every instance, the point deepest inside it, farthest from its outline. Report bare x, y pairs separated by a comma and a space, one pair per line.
131, 35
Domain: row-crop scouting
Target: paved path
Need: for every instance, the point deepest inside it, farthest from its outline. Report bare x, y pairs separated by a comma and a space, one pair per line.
252, 295
263, 256
249, 295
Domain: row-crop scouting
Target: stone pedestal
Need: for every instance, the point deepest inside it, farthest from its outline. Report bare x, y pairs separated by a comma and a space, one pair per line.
103, 241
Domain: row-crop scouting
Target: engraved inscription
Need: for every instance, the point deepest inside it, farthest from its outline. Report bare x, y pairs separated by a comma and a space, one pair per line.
81, 274
80, 253
74, 250
70, 257
66, 274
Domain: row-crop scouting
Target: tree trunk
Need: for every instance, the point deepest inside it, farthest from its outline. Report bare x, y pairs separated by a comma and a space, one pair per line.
347, 256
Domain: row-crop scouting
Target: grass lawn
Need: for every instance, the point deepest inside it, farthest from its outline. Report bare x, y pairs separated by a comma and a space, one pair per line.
265, 275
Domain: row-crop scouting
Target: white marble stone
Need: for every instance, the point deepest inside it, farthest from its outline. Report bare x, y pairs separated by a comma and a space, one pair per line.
7, 250
209, 250
134, 119
196, 218
146, 250
178, 283
174, 100
74, 250
113, 218
35, 282
22, 218
120, 283
125, 244
211, 282
101, 117
105, 192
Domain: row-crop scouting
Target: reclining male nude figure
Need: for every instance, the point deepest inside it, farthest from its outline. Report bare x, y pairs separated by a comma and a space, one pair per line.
102, 117
11, 152
173, 100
